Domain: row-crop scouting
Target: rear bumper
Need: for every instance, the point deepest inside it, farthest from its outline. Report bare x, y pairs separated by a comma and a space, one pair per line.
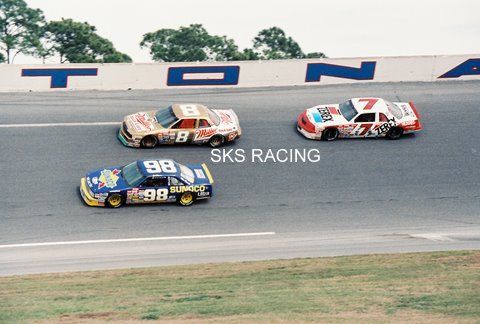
89, 200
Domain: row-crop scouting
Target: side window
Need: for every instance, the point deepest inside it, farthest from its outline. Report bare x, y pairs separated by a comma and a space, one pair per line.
155, 182
184, 124
203, 123
382, 118
365, 118
175, 182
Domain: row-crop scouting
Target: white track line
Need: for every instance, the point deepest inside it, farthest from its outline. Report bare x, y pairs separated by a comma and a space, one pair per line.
141, 239
58, 124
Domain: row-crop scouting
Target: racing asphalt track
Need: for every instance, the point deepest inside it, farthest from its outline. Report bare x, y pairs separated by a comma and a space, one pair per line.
365, 196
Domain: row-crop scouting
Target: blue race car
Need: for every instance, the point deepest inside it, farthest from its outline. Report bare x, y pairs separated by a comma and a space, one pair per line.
147, 181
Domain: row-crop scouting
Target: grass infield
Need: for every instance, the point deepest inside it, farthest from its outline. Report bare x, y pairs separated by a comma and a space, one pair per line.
414, 287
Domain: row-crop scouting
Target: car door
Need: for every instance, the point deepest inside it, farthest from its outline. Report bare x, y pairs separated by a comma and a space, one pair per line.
153, 190
204, 131
364, 125
183, 131
382, 125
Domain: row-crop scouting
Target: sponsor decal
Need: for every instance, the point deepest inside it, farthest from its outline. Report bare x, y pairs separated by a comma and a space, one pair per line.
182, 189
108, 178
224, 117
385, 127
95, 180
325, 114
232, 136
204, 133
141, 122
203, 194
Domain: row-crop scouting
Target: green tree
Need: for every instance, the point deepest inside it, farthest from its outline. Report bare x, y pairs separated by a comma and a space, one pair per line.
273, 44
191, 43
2, 58
78, 42
20, 28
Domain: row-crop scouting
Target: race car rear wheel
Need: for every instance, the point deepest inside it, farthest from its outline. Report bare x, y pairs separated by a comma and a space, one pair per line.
330, 134
395, 133
216, 140
148, 141
186, 199
114, 200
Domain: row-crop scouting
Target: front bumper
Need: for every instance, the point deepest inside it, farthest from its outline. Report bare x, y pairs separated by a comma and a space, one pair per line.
126, 140
307, 134
85, 192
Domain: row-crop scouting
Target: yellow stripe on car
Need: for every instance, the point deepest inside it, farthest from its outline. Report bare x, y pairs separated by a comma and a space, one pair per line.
207, 171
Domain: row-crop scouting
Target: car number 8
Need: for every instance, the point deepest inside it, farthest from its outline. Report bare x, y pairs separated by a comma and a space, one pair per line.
155, 195
189, 110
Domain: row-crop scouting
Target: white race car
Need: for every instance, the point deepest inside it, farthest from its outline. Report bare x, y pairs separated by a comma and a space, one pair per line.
359, 117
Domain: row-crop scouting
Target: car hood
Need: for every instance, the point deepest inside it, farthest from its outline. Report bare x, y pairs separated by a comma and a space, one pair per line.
106, 180
142, 122
325, 115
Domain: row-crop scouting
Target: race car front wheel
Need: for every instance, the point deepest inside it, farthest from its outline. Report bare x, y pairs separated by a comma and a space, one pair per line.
148, 141
186, 199
114, 200
216, 141
330, 134
395, 133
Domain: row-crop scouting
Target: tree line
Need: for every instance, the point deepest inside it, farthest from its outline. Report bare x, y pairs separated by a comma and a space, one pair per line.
24, 30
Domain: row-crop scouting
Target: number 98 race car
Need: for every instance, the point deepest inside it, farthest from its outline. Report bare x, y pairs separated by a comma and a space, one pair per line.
359, 117
180, 124
147, 181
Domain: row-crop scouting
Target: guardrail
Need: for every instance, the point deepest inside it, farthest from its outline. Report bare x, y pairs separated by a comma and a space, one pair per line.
238, 74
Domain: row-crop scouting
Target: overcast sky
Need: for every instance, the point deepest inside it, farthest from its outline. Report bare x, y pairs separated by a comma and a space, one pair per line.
339, 28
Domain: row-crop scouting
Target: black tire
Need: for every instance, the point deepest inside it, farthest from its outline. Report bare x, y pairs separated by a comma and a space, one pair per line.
216, 141
186, 199
330, 134
149, 141
395, 133
114, 201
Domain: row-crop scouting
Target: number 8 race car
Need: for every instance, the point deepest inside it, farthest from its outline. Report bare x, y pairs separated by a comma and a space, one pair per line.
149, 181
359, 117
180, 124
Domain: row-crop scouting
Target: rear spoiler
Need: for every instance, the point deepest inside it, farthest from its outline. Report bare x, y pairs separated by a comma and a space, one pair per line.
207, 172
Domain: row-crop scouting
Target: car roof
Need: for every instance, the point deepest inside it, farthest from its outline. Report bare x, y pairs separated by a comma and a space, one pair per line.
369, 105
145, 173
179, 110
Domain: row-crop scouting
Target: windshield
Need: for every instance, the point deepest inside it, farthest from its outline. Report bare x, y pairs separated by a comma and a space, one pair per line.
166, 117
132, 175
347, 109
187, 174
213, 117
394, 110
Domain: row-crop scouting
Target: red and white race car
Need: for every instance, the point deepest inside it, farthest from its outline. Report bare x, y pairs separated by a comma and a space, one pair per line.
359, 117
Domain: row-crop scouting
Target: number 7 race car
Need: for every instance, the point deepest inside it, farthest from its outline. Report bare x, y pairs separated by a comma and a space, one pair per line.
147, 181
180, 124
359, 117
